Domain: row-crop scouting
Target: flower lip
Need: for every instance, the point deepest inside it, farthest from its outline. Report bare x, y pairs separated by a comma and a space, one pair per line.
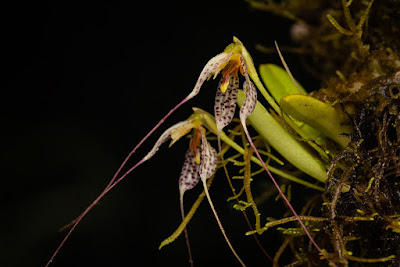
195, 142
231, 68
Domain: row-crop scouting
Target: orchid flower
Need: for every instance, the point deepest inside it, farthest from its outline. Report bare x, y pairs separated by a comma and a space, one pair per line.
235, 58
200, 164
226, 96
200, 159
190, 174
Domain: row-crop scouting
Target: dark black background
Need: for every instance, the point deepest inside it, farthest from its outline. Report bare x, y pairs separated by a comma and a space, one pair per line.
83, 83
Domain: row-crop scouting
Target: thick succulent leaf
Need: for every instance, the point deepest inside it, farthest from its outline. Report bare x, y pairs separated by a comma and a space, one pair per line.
225, 103
318, 115
212, 67
190, 173
283, 142
166, 136
278, 82
208, 159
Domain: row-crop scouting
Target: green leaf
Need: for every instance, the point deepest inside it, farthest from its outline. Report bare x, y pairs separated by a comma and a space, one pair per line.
283, 142
318, 115
278, 82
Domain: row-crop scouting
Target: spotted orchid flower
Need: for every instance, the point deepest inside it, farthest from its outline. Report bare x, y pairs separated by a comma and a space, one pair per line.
200, 159
229, 63
200, 164
226, 96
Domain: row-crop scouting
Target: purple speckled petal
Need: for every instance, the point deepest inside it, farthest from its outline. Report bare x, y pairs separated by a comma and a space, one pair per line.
251, 95
190, 173
208, 159
164, 137
244, 67
249, 102
210, 68
225, 103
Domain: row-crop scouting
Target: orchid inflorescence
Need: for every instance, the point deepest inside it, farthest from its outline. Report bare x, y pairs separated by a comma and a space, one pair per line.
200, 161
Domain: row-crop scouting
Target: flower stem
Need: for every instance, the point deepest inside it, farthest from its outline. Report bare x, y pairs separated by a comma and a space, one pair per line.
220, 225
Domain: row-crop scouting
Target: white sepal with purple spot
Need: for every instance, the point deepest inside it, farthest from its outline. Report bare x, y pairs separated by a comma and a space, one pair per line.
208, 159
210, 68
190, 173
225, 103
249, 102
164, 137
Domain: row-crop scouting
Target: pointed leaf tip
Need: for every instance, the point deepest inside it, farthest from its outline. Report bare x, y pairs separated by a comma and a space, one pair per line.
278, 81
